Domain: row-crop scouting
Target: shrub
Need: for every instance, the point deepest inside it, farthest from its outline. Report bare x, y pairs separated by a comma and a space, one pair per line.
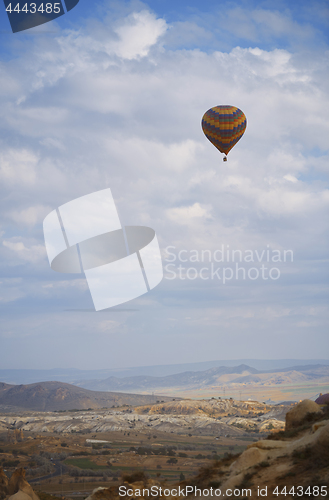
215, 484
10, 463
135, 476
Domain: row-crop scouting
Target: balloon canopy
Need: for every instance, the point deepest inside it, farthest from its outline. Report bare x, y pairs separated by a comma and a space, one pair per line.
224, 126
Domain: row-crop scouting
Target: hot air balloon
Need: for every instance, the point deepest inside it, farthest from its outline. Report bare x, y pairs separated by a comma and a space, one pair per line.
224, 126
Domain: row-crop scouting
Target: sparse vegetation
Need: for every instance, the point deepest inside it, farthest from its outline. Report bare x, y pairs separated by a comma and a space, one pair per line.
10, 463
314, 457
246, 481
264, 464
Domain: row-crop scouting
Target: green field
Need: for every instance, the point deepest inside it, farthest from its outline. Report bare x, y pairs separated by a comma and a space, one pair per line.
84, 463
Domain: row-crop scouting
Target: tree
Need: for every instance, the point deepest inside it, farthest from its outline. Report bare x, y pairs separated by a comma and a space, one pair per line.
172, 461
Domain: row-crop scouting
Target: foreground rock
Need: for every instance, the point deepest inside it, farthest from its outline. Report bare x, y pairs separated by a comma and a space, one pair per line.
17, 488
296, 457
3, 484
297, 415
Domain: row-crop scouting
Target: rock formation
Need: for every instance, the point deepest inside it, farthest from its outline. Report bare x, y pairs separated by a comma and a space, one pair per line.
3, 484
298, 456
297, 415
15, 436
323, 399
19, 488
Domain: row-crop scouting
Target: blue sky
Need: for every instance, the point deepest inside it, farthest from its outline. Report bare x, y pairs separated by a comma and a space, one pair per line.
112, 95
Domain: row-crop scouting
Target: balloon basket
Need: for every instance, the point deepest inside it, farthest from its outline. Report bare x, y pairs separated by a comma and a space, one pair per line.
225, 158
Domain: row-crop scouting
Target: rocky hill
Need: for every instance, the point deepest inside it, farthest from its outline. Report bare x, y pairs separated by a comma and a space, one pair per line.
54, 396
214, 417
295, 457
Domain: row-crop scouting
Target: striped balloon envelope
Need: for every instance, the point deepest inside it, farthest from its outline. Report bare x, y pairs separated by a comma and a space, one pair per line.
224, 126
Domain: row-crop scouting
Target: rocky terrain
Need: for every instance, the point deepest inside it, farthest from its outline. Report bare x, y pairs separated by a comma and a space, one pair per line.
217, 417
54, 396
295, 457
291, 462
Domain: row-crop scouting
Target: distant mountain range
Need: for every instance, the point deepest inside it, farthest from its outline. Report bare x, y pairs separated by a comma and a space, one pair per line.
54, 396
214, 377
72, 375
280, 383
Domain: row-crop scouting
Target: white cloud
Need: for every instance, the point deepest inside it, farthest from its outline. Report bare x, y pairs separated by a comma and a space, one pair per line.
139, 32
187, 215
30, 216
32, 254
18, 166
290, 178
80, 284
277, 201
146, 129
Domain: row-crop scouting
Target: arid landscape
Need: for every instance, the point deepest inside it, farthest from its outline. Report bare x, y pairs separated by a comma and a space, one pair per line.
69, 439
168, 440
205, 444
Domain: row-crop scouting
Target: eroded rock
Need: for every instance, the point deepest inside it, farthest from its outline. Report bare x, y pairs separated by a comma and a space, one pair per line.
250, 457
296, 416
19, 488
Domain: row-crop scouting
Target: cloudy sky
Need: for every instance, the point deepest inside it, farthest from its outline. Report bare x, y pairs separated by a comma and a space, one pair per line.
111, 95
